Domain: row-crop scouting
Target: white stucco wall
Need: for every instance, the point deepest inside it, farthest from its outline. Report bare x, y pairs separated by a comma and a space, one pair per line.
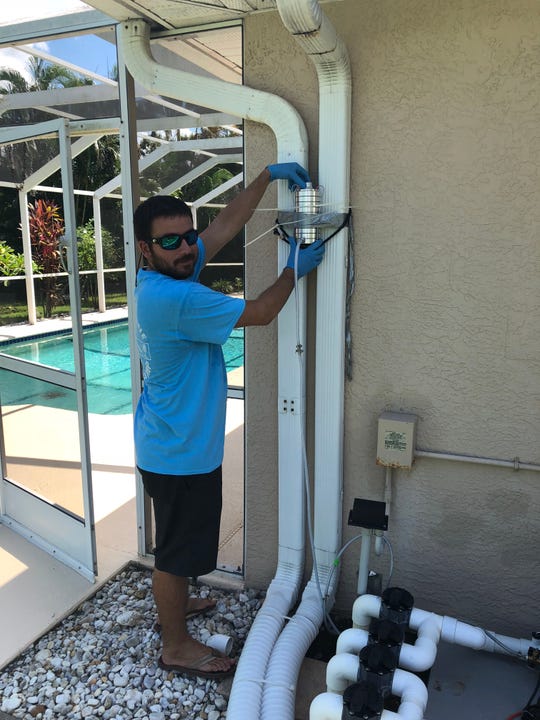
445, 191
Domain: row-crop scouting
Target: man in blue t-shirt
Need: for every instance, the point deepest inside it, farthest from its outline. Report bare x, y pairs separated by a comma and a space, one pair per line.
180, 418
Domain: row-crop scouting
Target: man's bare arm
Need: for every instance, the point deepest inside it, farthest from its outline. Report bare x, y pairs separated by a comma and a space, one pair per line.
232, 218
267, 306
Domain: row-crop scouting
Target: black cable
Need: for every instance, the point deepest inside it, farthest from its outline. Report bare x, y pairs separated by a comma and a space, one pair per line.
534, 692
340, 228
278, 230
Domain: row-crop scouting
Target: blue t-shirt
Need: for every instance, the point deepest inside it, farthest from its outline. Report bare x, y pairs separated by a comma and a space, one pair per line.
180, 417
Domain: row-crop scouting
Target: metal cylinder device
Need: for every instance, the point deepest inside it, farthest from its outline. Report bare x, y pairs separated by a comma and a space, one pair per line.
307, 203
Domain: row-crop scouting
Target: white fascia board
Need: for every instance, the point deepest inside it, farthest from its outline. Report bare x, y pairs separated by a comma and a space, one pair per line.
54, 27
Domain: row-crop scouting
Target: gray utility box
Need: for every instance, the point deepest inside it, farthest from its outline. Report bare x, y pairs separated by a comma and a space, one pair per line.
396, 439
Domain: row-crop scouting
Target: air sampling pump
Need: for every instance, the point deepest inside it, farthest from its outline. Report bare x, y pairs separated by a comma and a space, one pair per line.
307, 203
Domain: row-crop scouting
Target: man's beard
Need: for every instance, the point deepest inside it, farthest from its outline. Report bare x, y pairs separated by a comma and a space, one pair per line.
176, 270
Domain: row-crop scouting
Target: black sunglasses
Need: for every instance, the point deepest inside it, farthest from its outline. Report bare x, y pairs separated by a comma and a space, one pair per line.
171, 242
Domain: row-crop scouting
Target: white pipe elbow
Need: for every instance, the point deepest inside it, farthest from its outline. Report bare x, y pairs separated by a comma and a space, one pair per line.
421, 656
341, 671
364, 609
326, 706
413, 694
352, 640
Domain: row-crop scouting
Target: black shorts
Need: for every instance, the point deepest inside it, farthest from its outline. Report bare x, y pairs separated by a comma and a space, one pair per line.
187, 512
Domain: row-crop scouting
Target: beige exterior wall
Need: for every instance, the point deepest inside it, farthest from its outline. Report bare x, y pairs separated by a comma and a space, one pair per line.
445, 191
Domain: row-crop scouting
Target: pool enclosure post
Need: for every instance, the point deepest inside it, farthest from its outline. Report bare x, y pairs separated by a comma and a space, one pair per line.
130, 199
27, 252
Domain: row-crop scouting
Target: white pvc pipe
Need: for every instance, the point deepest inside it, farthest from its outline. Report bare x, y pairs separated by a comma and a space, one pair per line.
291, 138
363, 563
315, 34
454, 631
460, 633
342, 671
352, 640
364, 609
514, 464
418, 657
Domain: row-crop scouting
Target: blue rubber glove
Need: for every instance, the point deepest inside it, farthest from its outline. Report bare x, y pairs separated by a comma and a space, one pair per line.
308, 258
291, 171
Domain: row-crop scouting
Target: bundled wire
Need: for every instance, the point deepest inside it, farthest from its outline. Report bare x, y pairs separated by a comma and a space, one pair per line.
531, 711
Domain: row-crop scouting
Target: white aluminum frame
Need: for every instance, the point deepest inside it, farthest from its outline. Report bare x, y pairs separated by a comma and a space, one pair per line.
70, 539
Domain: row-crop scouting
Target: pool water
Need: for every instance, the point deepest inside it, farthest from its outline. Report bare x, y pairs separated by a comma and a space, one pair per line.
108, 368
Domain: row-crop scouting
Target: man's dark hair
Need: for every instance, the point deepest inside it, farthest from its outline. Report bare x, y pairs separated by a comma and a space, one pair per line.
157, 206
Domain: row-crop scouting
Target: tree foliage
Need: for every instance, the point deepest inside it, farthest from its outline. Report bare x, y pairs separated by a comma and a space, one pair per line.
11, 262
86, 253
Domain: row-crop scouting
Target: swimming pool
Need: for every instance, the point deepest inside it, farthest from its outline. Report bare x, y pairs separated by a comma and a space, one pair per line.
108, 368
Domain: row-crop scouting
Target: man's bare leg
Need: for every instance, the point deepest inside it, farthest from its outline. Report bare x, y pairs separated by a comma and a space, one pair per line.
179, 648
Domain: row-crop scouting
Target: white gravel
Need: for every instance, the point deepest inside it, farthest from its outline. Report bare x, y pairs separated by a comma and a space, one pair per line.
101, 661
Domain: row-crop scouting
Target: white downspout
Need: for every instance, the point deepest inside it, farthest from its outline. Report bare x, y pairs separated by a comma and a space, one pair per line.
314, 32
291, 138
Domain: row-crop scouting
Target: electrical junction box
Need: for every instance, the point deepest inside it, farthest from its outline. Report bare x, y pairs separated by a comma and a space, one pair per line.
396, 439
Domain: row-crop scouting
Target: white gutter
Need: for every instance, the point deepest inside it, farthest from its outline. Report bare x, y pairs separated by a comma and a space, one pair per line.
314, 32
291, 137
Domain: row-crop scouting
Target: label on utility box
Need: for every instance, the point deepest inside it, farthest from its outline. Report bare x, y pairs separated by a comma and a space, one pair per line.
396, 440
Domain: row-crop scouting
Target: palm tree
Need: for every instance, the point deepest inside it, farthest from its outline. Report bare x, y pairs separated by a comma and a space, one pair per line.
23, 158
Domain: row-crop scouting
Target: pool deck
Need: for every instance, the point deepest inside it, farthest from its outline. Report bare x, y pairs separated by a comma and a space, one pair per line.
37, 591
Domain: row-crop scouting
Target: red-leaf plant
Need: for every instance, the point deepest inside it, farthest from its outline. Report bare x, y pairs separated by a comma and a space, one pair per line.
46, 228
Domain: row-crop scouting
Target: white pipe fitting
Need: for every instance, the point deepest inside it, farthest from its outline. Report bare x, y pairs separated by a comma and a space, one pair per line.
342, 671
418, 657
363, 565
352, 640
365, 608
421, 656
326, 706
222, 643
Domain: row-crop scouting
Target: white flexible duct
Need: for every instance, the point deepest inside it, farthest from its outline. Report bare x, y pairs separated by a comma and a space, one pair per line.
452, 630
316, 35
342, 671
291, 138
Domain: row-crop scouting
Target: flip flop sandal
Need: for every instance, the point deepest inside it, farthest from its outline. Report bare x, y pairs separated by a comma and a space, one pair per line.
196, 670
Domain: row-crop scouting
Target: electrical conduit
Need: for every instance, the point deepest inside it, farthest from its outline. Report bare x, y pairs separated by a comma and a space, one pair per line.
315, 34
291, 138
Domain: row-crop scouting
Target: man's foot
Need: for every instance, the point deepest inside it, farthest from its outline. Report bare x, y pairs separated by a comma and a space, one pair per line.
195, 606
196, 660
203, 668
199, 606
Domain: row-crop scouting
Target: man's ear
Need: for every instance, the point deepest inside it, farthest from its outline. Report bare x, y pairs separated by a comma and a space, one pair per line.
144, 248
